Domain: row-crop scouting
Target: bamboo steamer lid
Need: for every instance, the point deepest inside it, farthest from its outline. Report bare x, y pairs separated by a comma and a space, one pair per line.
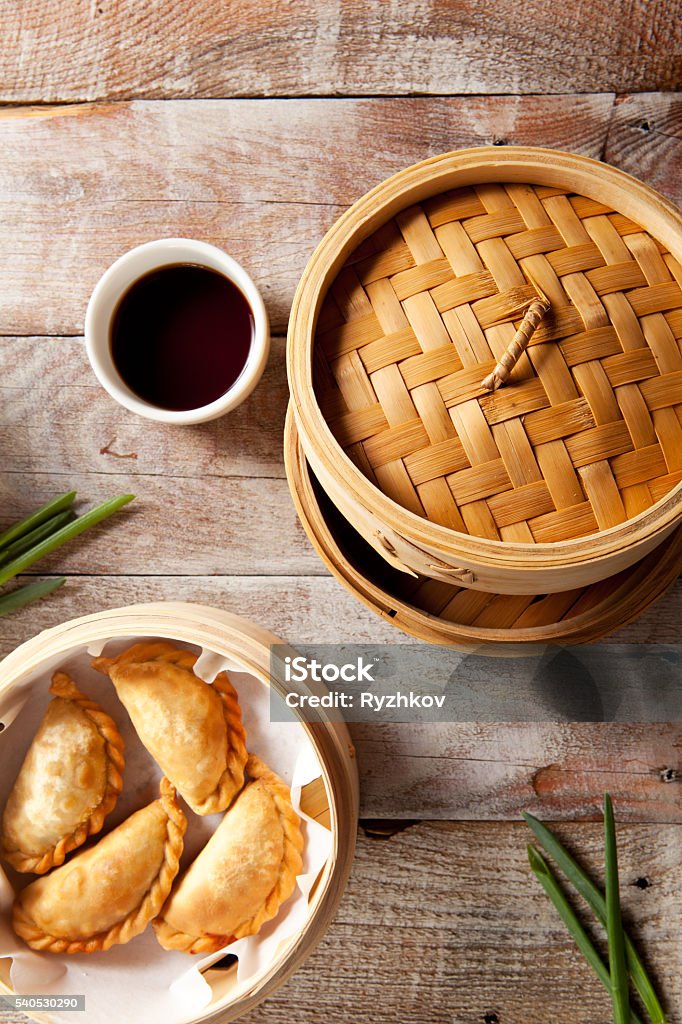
451, 615
332, 800
568, 473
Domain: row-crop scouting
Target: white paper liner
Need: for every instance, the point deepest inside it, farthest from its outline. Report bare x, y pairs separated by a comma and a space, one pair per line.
140, 981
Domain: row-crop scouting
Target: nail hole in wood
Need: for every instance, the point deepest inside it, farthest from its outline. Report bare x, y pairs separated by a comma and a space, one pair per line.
669, 775
491, 1018
642, 883
645, 126
500, 141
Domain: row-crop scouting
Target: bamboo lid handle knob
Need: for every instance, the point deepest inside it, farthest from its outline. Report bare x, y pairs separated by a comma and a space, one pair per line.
518, 344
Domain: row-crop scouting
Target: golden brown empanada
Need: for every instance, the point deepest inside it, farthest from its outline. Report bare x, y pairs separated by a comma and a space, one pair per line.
68, 783
242, 876
108, 894
194, 730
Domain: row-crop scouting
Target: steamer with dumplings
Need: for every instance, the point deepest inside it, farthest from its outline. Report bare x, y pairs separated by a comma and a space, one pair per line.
332, 799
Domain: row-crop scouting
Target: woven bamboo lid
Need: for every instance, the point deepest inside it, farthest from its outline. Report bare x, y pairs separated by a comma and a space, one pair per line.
585, 435
571, 471
447, 614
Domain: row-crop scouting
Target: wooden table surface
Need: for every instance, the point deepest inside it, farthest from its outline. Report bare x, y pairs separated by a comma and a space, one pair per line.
253, 126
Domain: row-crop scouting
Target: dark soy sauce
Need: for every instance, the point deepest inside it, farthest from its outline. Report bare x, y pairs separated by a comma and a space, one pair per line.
181, 336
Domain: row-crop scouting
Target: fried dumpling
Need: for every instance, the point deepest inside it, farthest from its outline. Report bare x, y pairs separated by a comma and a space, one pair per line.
106, 895
193, 729
69, 781
242, 876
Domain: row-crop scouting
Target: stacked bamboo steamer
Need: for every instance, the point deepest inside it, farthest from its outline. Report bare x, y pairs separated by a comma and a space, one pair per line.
332, 799
552, 273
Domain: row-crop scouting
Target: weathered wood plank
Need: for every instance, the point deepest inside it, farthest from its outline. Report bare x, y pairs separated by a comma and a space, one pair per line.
444, 922
477, 771
175, 527
55, 417
80, 185
303, 609
116, 49
300, 609
645, 139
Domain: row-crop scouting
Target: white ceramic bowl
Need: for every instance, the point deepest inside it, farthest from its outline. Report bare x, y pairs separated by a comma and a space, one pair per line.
115, 282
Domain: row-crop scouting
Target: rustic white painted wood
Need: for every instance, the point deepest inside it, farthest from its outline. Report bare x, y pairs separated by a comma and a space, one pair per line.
55, 418
481, 771
81, 184
442, 922
117, 49
304, 609
645, 139
198, 527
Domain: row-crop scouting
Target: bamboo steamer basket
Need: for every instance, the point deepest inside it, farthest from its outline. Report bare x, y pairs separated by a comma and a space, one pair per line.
570, 472
332, 800
451, 615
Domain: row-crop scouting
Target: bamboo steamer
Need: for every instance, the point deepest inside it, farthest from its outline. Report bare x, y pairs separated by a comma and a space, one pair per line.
332, 800
452, 615
570, 472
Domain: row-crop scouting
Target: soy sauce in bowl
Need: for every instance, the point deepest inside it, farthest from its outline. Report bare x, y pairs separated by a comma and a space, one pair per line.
181, 336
